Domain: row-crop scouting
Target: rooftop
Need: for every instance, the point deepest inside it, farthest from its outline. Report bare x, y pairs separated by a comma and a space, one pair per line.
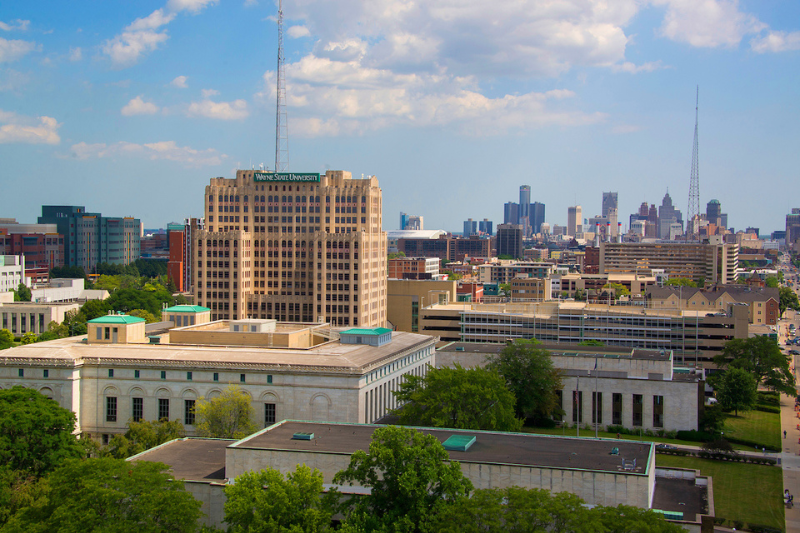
489, 447
116, 319
566, 350
191, 459
186, 309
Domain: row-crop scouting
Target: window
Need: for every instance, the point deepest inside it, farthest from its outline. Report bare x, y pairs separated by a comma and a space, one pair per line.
638, 405
188, 412
241, 378
136, 374
577, 406
188, 376
597, 407
21, 373
107, 333
616, 409
269, 414
216, 376
138, 409
99, 333
163, 408
111, 372
163, 374
45, 373
111, 409
269, 378
658, 411
105, 439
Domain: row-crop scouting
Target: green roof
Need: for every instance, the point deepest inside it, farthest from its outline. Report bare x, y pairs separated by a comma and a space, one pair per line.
372, 331
459, 443
116, 319
186, 309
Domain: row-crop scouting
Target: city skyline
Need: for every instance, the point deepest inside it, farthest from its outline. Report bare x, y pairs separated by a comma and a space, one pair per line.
130, 108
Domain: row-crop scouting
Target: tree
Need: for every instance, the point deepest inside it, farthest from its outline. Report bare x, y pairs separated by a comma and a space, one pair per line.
619, 289
142, 436
266, 501
396, 255
22, 294
530, 375
6, 339
73, 272
229, 416
788, 299
35, 432
680, 282
110, 495
762, 357
772, 282
737, 390
94, 309
18, 489
411, 480
28, 338
629, 519
147, 315
461, 398
591, 342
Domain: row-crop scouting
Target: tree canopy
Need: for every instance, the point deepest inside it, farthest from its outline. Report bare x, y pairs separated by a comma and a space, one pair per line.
737, 390
22, 293
788, 299
142, 436
266, 501
530, 375
772, 282
35, 432
462, 398
410, 477
762, 357
228, 416
109, 495
6, 339
619, 289
680, 282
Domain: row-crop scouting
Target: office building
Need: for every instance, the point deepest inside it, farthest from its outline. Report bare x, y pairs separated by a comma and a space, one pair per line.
410, 222
793, 228
509, 240
763, 303
537, 215
609, 202
574, 220
446, 247
408, 296
40, 244
293, 247
528, 215
667, 215
506, 271
31, 317
485, 227
12, 272
711, 263
414, 267
90, 238
470, 227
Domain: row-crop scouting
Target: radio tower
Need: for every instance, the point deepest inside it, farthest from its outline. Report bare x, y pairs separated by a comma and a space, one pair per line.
281, 118
694, 182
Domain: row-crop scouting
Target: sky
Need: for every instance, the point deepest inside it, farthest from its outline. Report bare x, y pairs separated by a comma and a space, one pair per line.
130, 107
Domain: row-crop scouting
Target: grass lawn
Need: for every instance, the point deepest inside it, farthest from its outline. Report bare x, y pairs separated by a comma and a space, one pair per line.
756, 426
748, 493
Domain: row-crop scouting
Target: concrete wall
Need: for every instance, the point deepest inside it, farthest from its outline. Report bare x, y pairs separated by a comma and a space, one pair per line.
212, 497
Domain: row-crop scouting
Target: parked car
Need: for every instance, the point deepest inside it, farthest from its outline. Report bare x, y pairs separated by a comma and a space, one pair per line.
666, 447
794, 352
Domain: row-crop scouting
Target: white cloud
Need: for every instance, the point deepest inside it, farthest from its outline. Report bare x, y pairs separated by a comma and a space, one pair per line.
776, 41
193, 6
707, 23
166, 150
12, 50
16, 128
140, 37
15, 25
632, 68
75, 54
235, 110
179, 82
208, 93
298, 31
137, 106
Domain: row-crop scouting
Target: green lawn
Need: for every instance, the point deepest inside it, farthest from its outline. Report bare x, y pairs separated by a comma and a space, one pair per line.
756, 426
744, 492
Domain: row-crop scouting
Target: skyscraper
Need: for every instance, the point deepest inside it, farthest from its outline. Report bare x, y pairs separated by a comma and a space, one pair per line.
470, 227
609, 202
667, 214
574, 220
293, 247
509, 240
536, 215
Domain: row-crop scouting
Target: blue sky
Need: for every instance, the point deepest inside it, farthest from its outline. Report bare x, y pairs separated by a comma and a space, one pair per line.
130, 107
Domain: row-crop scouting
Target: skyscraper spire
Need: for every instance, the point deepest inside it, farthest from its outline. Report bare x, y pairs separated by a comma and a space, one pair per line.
693, 213
281, 117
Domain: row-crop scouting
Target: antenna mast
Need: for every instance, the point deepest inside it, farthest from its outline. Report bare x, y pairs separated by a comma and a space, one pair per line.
694, 181
281, 118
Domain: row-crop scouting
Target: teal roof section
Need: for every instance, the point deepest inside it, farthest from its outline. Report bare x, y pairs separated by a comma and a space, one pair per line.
459, 443
116, 319
365, 331
186, 309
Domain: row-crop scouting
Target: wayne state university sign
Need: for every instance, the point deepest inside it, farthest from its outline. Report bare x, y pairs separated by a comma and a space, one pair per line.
285, 176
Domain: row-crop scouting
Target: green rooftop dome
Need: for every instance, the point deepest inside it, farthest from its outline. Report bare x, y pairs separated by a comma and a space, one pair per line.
366, 331
116, 319
186, 309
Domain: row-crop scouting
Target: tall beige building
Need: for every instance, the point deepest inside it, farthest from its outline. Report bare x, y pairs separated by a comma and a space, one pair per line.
574, 220
293, 247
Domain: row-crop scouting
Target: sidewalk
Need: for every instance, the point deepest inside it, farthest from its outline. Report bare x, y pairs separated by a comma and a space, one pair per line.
790, 460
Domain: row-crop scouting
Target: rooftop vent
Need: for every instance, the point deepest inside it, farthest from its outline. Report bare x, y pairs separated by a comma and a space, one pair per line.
303, 436
459, 443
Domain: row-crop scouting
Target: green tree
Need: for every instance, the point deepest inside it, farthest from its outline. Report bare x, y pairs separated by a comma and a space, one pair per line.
228, 416
737, 390
94, 309
18, 489
461, 398
530, 375
396, 255
619, 289
28, 338
266, 501
70, 272
772, 282
680, 282
110, 495
591, 342
762, 357
142, 436
452, 276
22, 294
106, 282
788, 300
411, 479
147, 315
629, 519
35, 432
6, 339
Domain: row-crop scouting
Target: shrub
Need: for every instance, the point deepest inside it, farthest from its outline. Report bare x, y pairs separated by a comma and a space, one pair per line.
696, 436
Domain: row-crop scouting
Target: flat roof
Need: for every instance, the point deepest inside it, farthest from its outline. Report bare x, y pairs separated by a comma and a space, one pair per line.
191, 459
565, 350
489, 447
186, 309
327, 357
116, 319
680, 495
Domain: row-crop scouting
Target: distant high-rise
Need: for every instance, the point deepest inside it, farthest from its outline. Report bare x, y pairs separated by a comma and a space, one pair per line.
485, 227
609, 202
403, 220
528, 215
470, 227
536, 216
574, 220
410, 222
667, 215
509, 240
524, 200
793, 226
511, 213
